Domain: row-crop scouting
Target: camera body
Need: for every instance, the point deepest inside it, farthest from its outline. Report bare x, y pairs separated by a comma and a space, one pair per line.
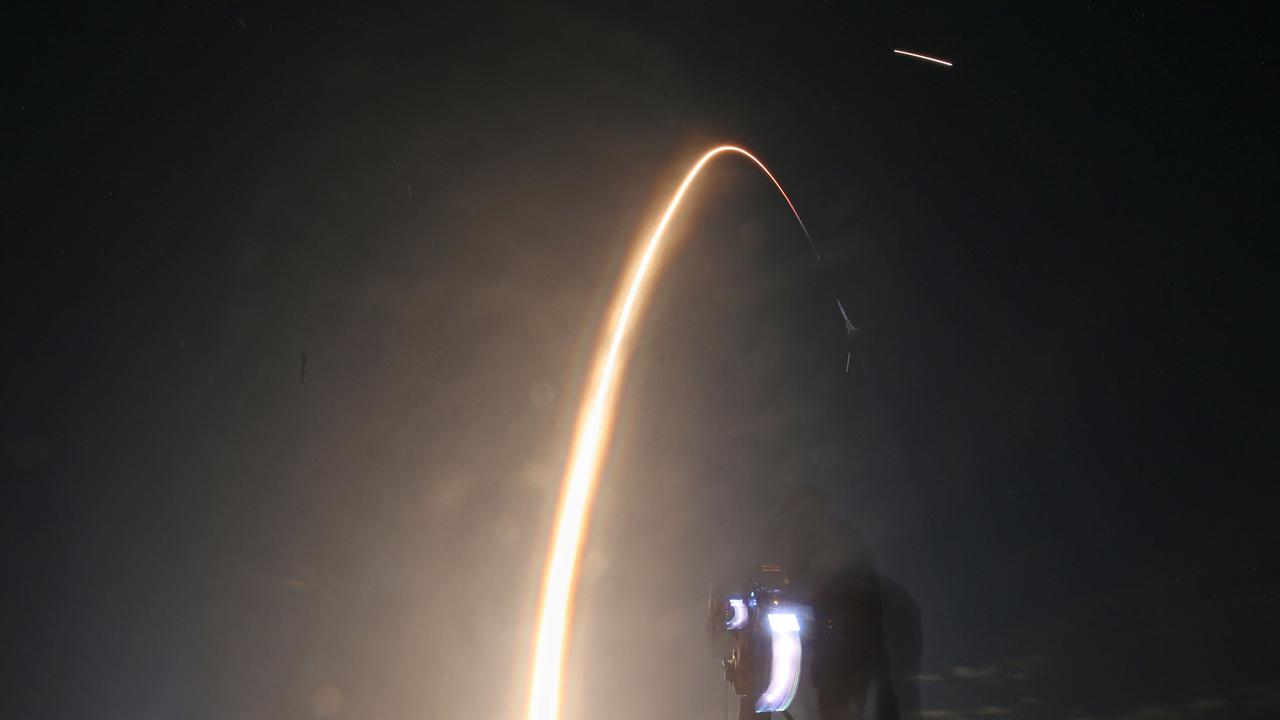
769, 629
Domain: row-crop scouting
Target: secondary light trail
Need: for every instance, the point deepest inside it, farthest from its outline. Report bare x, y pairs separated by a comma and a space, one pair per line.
587, 452
923, 57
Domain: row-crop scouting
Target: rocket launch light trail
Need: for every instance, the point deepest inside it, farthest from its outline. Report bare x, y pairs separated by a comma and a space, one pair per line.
587, 452
923, 57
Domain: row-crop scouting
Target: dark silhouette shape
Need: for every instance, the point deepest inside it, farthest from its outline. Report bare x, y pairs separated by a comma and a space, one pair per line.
904, 642
865, 651
302, 371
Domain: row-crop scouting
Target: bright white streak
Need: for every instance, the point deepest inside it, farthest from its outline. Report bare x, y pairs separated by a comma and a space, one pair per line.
739, 619
923, 57
590, 441
784, 673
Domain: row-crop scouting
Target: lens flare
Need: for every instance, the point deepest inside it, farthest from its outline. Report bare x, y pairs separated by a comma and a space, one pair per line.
588, 449
784, 673
740, 616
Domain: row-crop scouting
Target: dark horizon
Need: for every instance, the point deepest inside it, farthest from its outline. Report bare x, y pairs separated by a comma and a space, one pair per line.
1055, 430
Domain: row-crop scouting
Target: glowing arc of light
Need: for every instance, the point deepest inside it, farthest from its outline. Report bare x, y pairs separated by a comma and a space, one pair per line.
923, 57
739, 619
784, 672
587, 450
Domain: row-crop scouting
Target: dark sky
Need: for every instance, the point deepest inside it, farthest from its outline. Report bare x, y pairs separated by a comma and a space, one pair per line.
1057, 431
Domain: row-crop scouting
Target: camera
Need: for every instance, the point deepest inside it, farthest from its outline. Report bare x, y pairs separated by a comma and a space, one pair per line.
769, 630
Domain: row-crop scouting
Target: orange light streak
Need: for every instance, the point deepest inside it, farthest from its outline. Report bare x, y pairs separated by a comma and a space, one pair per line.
587, 452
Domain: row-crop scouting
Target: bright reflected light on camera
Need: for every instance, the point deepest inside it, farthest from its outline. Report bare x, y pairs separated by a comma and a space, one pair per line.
784, 675
739, 619
779, 622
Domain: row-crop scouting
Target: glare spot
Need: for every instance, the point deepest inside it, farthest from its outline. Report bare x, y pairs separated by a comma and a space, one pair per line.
448, 493
506, 531
966, 672
596, 564
541, 394
535, 475
326, 701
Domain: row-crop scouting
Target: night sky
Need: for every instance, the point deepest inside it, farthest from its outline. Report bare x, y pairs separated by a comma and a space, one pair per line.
1057, 428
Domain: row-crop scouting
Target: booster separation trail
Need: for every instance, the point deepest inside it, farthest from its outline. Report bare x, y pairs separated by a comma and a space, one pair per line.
588, 449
